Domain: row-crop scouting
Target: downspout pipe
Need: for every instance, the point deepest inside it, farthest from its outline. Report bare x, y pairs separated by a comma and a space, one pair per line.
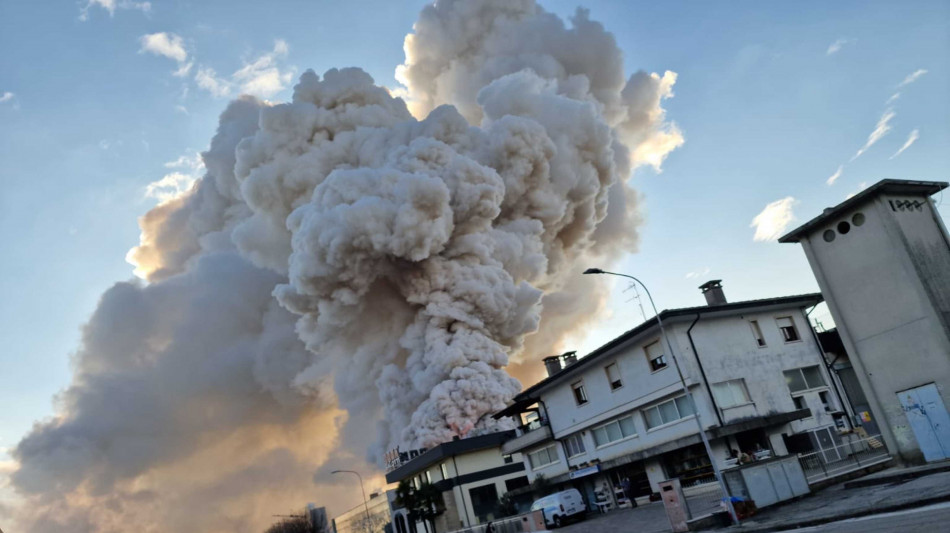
702, 372
828, 367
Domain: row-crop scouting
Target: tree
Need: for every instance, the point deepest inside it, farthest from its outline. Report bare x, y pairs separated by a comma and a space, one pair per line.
541, 486
507, 505
422, 504
296, 524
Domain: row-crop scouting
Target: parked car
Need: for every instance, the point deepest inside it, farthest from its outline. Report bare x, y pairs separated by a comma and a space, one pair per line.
561, 507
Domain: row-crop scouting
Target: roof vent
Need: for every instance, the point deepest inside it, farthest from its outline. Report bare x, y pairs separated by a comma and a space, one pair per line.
712, 290
552, 364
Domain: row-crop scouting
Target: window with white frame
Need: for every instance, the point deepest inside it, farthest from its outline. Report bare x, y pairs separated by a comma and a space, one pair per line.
429, 477
787, 326
799, 379
543, 457
825, 398
580, 395
575, 445
757, 333
614, 430
445, 470
613, 376
656, 356
731, 393
668, 411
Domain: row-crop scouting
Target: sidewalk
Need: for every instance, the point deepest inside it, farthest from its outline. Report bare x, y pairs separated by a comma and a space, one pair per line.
839, 503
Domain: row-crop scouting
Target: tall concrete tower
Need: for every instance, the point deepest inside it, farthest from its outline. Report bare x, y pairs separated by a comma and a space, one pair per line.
882, 260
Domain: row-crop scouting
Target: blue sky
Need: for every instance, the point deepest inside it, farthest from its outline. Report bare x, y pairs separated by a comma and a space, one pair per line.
769, 104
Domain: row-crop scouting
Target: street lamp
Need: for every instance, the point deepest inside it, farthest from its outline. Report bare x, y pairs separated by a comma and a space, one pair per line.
365, 506
689, 395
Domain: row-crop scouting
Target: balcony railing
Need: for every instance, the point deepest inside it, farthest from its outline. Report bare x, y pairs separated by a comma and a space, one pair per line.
528, 435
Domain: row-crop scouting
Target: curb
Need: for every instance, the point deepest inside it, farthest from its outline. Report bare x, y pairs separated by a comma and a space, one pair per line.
896, 477
843, 516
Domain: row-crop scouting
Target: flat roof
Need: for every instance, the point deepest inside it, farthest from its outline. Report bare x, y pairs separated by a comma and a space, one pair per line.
884, 186
525, 398
445, 450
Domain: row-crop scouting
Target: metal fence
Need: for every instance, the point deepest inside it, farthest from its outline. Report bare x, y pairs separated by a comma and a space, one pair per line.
703, 499
513, 524
837, 460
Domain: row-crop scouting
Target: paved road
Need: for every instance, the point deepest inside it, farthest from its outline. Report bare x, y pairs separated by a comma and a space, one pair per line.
649, 518
930, 519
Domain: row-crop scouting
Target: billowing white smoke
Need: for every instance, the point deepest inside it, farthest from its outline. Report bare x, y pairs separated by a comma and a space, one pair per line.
341, 253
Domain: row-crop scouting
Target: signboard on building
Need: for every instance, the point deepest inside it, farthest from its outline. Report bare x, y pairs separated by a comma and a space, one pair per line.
581, 472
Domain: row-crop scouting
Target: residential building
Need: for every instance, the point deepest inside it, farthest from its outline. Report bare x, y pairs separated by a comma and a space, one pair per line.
369, 518
471, 473
882, 260
754, 369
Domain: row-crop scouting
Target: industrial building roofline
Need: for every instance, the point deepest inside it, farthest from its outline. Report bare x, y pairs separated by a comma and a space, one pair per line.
883, 186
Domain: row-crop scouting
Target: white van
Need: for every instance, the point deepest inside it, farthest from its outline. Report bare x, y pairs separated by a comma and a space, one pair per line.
561, 507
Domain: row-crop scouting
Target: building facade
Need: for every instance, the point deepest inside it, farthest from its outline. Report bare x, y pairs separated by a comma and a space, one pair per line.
369, 518
472, 474
882, 260
756, 375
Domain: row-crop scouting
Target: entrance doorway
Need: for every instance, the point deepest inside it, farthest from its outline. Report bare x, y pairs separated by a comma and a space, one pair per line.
928, 419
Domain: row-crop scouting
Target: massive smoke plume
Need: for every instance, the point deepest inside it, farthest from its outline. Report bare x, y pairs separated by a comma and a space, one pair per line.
349, 271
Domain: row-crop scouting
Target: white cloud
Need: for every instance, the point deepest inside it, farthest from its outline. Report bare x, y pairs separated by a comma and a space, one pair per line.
880, 130
911, 139
774, 220
698, 273
912, 77
836, 46
191, 161
208, 80
893, 97
183, 69
834, 177
263, 76
112, 5
164, 44
169, 187
178, 182
8, 98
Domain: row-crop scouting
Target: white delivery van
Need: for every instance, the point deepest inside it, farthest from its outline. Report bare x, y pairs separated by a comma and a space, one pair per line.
561, 507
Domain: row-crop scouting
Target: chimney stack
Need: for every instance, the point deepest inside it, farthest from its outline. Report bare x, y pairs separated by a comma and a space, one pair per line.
712, 290
569, 358
552, 364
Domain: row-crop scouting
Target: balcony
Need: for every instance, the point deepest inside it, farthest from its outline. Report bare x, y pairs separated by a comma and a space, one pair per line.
528, 435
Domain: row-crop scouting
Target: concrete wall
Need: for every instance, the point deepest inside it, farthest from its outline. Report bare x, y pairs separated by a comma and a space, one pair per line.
888, 288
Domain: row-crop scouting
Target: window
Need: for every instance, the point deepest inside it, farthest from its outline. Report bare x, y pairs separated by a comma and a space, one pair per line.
757, 333
825, 400
445, 470
656, 356
787, 326
543, 457
614, 431
575, 445
613, 376
731, 393
799, 402
799, 379
668, 411
580, 395
507, 459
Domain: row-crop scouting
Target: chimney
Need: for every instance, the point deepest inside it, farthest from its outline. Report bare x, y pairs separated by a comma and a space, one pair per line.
552, 364
712, 290
569, 358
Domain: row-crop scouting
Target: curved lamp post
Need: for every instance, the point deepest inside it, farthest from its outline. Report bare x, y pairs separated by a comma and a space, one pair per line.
365, 505
689, 395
